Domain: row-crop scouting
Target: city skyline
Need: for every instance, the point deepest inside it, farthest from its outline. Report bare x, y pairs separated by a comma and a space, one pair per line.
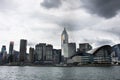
42, 21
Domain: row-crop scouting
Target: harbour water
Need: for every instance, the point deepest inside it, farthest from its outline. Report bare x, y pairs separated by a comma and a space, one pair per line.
59, 73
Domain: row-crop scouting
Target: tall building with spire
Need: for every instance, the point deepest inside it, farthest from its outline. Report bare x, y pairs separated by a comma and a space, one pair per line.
64, 43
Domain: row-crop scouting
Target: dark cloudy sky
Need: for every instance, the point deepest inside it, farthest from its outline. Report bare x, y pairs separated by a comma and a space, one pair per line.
94, 21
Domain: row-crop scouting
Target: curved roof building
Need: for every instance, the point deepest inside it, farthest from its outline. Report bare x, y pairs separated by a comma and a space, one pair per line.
101, 51
100, 55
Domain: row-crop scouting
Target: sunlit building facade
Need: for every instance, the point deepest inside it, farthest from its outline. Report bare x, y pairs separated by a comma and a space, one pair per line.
64, 43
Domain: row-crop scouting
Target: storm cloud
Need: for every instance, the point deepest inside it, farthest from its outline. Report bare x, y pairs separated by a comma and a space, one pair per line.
51, 3
42, 21
103, 8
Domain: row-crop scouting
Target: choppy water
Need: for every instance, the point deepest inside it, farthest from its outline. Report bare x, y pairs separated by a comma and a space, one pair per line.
59, 73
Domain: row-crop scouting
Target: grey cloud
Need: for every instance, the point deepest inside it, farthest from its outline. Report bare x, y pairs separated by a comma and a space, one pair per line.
51, 3
115, 31
104, 42
71, 25
104, 8
74, 24
30, 43
4, 29
7, 5
2, 4
99, 42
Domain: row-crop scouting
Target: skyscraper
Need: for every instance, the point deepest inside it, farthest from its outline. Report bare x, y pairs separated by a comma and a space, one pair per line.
57, 56
3, 49
31, 55
22, 54
64, 43
4, 54
40, 51
49, 52
11, 51
11, 47
71, 49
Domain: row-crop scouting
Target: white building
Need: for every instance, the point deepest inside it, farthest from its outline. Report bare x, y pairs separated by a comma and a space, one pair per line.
64, 43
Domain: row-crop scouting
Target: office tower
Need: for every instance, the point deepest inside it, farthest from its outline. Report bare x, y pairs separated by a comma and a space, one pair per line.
31, 55
64, 43
49, 52
57, 56
3, 49
71, 49
40, 51
4, 57
11, 55
4, 54
16, 56
11, 47
23, 47
83, 47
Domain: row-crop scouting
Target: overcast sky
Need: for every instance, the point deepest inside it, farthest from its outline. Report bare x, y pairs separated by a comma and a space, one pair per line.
42, 21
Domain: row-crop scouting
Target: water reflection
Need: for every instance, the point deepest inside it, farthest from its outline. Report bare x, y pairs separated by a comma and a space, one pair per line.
59, 73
